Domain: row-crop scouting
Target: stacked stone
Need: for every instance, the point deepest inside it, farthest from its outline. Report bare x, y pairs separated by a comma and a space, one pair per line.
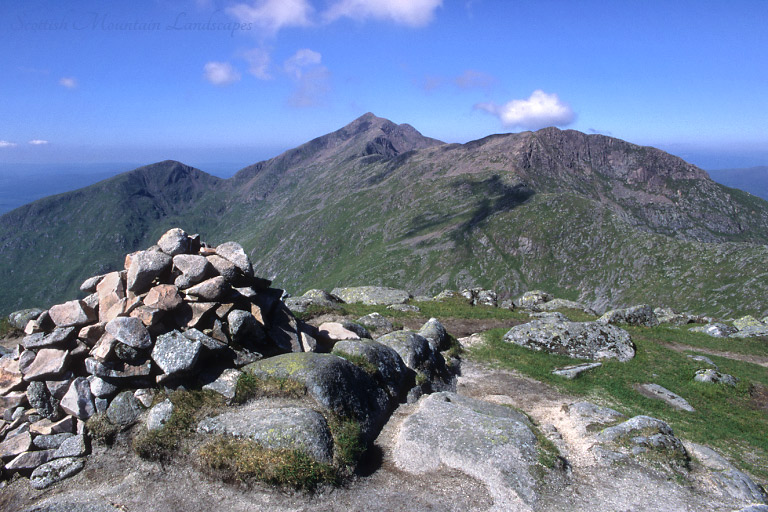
179, 313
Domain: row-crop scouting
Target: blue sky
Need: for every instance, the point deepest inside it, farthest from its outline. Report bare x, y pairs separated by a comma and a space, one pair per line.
206, 81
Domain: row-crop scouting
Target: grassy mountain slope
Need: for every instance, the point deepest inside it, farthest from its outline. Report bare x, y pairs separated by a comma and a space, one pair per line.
585, 216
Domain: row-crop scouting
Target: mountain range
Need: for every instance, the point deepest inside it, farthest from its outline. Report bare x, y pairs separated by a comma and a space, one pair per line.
585, 217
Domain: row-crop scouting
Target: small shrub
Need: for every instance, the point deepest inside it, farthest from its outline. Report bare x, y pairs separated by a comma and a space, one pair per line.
244, 461
348, 442
455, 350
249, 386
7, 330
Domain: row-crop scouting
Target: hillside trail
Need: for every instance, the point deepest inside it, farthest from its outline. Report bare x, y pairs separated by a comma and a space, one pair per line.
747, 358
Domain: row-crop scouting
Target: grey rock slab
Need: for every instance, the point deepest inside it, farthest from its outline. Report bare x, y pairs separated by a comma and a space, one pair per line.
47, 427
78, 400
376, 322
55, 471
58, 338
276, 427
334, 383
284, 329
372, 295
174, 241
588, 417
572, 372
101, 388
208, 342
225, 383
711, 376
644, 435
234, 252
747, 321
580, 340
159, 415
413, 348
51, 441
144, 268
244, 327
174, 353
116, 370
28, 461
641, 315
408, 308
48, 363
661, 393
321, 298
130, 331
726, 477
392, 374
702, 359
558, 304
90, 284
14, 446
73, 446
213, 289
194, 268
751, 331
436, 335
72, 313
533, 298
223, 267
124, 409
492, 443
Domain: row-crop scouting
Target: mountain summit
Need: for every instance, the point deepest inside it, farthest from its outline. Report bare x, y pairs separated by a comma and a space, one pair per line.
586, 217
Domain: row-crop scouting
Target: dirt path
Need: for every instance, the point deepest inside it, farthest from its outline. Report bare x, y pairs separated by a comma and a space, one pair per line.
681, 347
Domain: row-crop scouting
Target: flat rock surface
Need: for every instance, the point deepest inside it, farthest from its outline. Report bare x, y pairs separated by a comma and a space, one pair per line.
665, 395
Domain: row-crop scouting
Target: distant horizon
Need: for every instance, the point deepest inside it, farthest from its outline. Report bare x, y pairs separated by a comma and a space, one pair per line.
240, 80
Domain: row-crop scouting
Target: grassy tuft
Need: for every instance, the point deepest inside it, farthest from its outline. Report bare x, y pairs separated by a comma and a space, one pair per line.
360, 361
101, 429
189, 407
348, 442
244, 461
249, 386
7, 330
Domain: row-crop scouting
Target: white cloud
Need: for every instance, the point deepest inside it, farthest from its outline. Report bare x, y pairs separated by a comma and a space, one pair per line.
299, 61
539, 110
68, 82
415, 13
272, 15
258, 63
6, 144
311, 77
38, 142
220, 73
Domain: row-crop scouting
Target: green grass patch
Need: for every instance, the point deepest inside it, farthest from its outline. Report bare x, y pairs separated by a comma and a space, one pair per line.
245, 461
189, 407
249, 386
348, 442
101, 429
723, 413
6, 329
360, 361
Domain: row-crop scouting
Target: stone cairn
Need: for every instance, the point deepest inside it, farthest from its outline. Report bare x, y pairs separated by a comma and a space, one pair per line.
181, 313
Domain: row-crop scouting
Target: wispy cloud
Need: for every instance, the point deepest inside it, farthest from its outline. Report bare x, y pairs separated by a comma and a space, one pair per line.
473, 79
259, 61
537, 111
38, 142
272, 15
416, 13
7, 144
220, 73
68, 82
311, 77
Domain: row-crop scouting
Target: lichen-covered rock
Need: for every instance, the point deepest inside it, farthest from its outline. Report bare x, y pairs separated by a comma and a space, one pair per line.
55, 471
144, 268
276, 427
222, 382
661, 393
580, 340
642, 315
213, 289
391, 372
716, 330
711, 376
58, 338
159, 415
41, 399
643, 435
174, 241
193, 267
175, 354
670, 316
19, 319
124, 409
244, 328
435, 334
533, 298
572, 372
747, 321
234, 252
492, 443
372, 295
417, 355
130, 331
375, 322
334, 383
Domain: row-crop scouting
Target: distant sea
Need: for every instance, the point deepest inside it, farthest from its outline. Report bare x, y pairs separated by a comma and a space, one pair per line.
23, 183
